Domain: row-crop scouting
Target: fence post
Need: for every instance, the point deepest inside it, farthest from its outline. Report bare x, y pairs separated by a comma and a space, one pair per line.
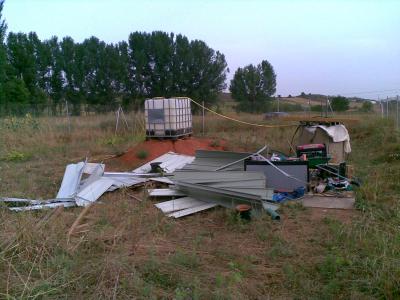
203, 117
397, 112
387, 107
68, 118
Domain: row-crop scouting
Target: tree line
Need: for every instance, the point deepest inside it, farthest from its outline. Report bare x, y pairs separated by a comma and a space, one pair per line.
36, 74
46, 73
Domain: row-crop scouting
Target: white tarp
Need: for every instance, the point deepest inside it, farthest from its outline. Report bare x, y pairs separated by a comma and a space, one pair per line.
338, 133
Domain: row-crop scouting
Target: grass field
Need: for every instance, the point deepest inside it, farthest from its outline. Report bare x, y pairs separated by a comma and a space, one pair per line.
129, 250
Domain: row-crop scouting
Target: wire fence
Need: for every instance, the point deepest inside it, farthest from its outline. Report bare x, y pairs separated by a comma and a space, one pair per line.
385, 108
64, 108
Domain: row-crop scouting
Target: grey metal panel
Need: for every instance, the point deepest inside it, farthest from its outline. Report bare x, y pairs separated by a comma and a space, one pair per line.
162, 179
225, 198
19, 200
220, 176
164, 193
48, 205
169, 162
93, 191
210, 168
221, 154
91, 167
192, 210
119, 182
256, 183
265, 194
97, 173
130, 174
35, 202
277, 180
179, 204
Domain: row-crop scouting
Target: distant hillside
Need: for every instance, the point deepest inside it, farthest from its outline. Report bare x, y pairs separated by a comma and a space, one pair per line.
319, 97
304, 100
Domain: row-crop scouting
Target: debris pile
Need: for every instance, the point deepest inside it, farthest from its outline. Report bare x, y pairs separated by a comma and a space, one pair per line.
250, 183
76, 190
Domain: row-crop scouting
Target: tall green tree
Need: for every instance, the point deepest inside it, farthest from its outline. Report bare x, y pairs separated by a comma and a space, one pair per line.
340, 103
207, 72
253, 86
3, 54
100, 75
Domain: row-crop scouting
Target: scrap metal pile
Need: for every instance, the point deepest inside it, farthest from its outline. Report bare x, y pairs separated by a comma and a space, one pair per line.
209, 179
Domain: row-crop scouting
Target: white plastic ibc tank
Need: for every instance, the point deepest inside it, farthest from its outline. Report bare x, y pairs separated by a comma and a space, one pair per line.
170, 117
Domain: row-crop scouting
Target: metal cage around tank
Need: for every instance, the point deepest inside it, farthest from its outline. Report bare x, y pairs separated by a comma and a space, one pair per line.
168, 117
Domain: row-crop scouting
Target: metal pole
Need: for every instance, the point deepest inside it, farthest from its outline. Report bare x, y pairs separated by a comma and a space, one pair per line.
380, 102
68, 119
326, 107
397, 112
387, 107
203, 116
278, 104
321, 108
309, 106
116, 123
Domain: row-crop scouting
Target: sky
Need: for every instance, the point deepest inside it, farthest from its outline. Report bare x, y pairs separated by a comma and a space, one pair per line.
350, 48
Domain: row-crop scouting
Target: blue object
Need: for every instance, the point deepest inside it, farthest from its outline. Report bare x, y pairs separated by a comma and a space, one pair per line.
281, 197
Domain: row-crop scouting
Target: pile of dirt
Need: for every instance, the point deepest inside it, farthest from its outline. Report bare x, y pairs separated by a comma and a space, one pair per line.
152, 149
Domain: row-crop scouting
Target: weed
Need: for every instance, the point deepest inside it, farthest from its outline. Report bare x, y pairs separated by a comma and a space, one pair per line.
279, 248
16, 156
187, 260
215, 143
142, 154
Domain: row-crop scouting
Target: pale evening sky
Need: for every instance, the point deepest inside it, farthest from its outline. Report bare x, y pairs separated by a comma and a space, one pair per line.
329, 47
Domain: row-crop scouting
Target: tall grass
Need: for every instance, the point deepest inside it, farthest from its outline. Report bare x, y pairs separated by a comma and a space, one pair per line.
127, 249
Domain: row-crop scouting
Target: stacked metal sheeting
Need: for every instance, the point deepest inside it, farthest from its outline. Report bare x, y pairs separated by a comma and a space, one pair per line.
206, 160
202, 183
226, 188
251, 183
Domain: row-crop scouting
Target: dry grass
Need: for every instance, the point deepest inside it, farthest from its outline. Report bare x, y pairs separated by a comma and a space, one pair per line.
128, 249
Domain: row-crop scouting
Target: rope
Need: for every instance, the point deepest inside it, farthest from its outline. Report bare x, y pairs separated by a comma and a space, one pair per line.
240, 121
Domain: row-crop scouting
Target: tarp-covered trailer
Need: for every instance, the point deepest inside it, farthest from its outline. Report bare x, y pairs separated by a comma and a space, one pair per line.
334, 135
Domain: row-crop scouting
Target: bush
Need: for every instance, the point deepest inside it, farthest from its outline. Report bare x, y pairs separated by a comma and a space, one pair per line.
142, 154
340, 103
367, 106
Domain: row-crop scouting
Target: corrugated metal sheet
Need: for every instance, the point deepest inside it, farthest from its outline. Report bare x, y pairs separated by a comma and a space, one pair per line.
192, 210
162, 180
93, 191
164, 193
124, 181
91, 167
169, 162
207, 160
179, 204
43, 206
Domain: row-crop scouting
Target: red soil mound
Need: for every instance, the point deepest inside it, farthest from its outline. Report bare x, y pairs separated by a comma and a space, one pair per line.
155, 148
